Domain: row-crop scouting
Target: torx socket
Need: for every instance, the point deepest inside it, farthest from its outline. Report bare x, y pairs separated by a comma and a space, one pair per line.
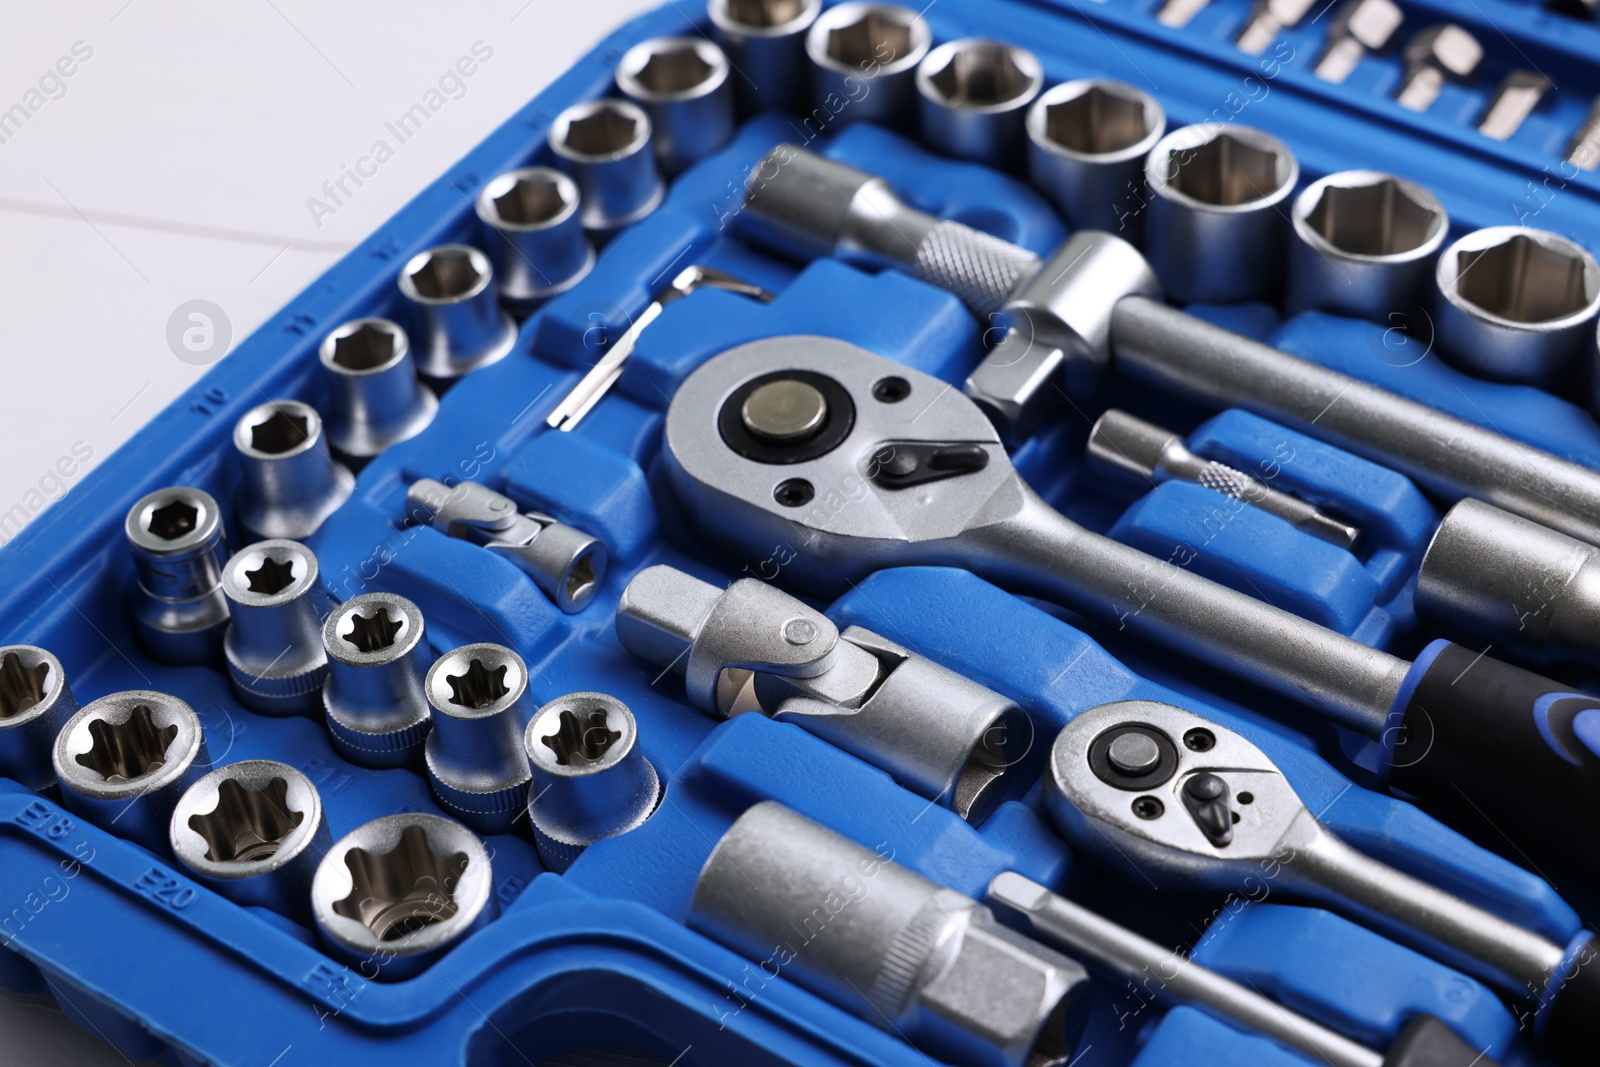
896, 949
291, 482
125, 759
768, 39
178, 607
1492, 576
1145, 455
1215, 234
682, 84
1517, 305
975, 95
1364, 245
605, 146
397, 893
457, 321
253, 831
375, 399
474, 754
274, 645
374, 700
590, 778
35, 703
1087, 140
538, 244
864, 59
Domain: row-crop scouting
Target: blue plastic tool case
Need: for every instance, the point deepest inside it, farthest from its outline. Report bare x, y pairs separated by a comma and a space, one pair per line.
599, 958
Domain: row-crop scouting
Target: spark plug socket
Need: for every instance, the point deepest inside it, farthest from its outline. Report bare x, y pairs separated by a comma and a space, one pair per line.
35, 702
605, 146
590, 778
682, 84
375, 398
274, 644
125, 759
475, 758
291, 483
538, 244
459, 325
374, 699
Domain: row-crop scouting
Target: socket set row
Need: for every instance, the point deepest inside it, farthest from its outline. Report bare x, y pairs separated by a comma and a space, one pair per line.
996, 535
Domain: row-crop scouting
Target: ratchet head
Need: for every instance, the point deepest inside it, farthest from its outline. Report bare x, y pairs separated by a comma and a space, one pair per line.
845, 460
1178, 794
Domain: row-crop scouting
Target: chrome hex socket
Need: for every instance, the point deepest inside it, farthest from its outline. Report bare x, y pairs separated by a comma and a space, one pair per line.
682, 84
474, 754
274, 644
254, 832
1087, 140
35, 702
395, 894
1517, 304
766, 37
975, 96
1364, 244
125, 759
378, 660
864, 63
459, 324
590, 778
178, 608
605, 146
1214, 232
291, 482
539, 248
375, 397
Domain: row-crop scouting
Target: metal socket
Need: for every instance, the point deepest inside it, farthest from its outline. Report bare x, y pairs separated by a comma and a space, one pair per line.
178, 608
291, 482
605, 146
864, 61
474, 754
767, 37
376, 707
1517, 304
1364, 245
590, 778
975, 97
35, 702
1215, 228
909, 955
539, 248
1087, 141
375, 399
1494, 576
682, 84
397, 893
254, 832
125, 759
450, 289
274, 644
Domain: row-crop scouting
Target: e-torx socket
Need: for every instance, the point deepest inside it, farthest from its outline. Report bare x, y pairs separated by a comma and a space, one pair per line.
35, 702
1096, 298
916, 475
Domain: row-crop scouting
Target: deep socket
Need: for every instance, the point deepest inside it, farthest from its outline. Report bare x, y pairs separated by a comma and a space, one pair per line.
1087, 140
376, 708
864, 60
975, 95
605, 146
767, 37
538, 244
458, 325
178, 607
274, 644
474, 753
35, 702
291, 482
375, 399
682, 84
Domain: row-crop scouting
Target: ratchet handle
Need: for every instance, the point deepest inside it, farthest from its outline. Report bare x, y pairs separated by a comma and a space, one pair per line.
1568, 1023
1505, 755
1427, 1042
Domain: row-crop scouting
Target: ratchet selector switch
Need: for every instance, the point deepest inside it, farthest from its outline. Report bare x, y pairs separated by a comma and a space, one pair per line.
904, 464
1206, 797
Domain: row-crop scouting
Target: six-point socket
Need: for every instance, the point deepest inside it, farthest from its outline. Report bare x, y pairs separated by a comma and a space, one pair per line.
864, 60
539, 248
179, 610
376, 399
35, 702
766, 36
125, 759
395, 894
590, 779
254, 832
1087, 141
474, 753
377, 661
605, 146
274, 644
291, 483
459, 325
682, 84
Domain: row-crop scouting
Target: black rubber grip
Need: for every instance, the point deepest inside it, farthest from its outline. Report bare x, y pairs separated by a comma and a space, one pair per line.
1569, 1024
1500, 753
1427, 1042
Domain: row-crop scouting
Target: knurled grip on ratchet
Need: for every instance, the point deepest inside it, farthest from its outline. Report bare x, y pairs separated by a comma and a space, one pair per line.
1095, 303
